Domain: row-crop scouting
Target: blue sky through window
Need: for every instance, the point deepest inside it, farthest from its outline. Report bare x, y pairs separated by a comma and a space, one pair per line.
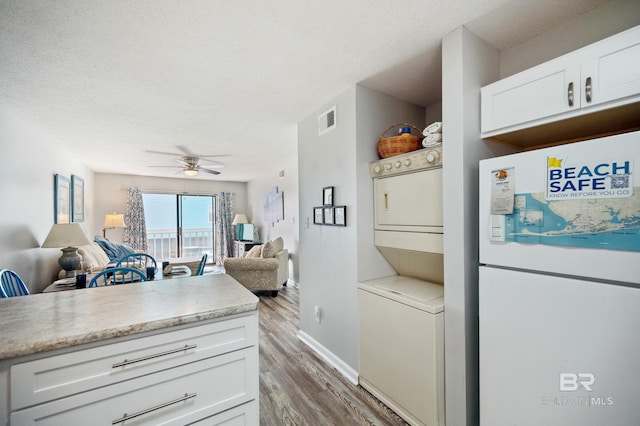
160, 211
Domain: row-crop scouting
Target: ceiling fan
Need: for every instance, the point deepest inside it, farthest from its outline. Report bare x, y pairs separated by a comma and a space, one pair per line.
190, 163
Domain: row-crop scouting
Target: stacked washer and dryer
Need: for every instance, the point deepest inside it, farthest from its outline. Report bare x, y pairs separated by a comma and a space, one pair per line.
402, 316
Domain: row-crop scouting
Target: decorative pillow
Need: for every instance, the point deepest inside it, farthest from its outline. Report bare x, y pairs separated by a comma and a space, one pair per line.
256, 251
113, 250
93, 254
272, 247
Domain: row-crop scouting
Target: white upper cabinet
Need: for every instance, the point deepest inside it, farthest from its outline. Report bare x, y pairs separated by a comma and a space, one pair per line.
600, 76
611, 70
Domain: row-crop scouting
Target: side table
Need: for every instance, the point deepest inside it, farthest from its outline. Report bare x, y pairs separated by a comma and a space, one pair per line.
241, 247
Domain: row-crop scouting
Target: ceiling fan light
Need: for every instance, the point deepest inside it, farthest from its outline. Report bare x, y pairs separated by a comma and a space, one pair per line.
190, 172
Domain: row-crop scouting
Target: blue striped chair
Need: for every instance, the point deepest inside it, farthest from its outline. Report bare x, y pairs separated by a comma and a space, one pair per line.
116, 275
11, 284
138, 260
203, 261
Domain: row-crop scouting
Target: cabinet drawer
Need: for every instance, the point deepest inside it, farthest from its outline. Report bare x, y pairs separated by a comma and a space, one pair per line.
176, 396
245, 415
45, 379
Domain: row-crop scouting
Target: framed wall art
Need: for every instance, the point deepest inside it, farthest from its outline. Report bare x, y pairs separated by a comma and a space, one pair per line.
340, 215
318, 215
77, 199
62, 200
327, 195
328, 215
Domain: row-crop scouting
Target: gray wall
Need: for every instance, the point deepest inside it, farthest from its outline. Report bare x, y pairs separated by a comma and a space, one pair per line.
334, 259
29, 158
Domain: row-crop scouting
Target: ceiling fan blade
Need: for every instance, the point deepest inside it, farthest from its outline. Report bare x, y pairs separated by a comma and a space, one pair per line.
164, 153
185, 151
212, 156
213, 172
184, 163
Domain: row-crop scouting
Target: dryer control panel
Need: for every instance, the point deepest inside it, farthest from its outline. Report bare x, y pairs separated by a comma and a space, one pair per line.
421, 159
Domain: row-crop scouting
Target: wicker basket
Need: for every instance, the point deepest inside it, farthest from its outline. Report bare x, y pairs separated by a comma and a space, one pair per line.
400, 144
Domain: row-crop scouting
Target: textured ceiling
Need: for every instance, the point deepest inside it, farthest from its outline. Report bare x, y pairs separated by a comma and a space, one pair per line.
107, 77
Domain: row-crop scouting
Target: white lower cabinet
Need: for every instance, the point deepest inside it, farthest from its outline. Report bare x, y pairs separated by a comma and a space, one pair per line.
213, 382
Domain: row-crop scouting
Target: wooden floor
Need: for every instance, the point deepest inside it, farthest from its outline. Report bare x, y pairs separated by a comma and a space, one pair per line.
299, 388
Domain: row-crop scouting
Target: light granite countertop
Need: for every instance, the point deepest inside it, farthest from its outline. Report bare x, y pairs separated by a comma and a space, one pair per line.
47, 321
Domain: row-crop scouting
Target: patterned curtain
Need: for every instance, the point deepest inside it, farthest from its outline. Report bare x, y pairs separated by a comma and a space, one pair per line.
224, 227
135, 234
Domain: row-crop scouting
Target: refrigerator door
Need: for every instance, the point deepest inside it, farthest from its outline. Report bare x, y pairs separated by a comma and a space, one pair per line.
566, 235
557, 351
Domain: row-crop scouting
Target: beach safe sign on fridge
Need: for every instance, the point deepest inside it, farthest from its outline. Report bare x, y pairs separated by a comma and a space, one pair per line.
587, 201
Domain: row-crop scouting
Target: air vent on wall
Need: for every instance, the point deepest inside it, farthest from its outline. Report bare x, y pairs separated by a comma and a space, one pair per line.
327, 121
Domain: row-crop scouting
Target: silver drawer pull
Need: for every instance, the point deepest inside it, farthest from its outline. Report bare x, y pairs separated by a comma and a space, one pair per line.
587, 89
144, 358
126, 417
570, 94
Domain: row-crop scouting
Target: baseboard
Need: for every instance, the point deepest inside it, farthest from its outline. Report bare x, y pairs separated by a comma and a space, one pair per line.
324, 353
292, 283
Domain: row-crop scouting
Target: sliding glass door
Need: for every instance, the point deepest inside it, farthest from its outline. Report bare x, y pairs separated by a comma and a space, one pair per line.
180, 225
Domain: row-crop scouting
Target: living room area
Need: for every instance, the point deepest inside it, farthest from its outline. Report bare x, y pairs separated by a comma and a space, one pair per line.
101, 92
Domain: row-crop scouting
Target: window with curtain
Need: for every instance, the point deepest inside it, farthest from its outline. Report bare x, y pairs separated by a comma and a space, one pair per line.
180, 225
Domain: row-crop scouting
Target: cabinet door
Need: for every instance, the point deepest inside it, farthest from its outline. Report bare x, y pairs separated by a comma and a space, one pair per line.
611, 70
541, 92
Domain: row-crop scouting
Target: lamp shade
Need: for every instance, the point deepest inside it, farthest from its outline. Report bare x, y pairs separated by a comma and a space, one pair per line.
65, 235
239, 218
114, 220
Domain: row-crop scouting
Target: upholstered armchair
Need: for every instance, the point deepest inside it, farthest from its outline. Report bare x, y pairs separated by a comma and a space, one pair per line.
264, 267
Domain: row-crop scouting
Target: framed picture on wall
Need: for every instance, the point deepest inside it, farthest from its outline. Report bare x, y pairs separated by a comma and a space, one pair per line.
340, 215
62, 200
327, 195
328, 216
318, 215
77, 199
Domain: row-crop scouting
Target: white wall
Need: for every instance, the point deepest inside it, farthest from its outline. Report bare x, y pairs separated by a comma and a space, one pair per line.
112, 190
29, 159
468, 63
258, 188
333, 259
612, 18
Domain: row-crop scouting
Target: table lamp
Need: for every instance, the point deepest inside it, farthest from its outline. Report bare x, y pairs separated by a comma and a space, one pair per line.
112, 221
239, 219
67, 235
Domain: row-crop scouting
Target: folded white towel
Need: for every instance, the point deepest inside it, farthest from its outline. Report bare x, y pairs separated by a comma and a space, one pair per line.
435, 127
432, 139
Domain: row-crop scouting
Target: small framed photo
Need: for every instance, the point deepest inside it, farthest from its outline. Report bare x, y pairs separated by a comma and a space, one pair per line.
340, 215
61, 200
77, 199
327, 195
318, 215
328, 216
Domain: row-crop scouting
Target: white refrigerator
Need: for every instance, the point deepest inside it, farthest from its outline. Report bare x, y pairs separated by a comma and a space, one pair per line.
559, 285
